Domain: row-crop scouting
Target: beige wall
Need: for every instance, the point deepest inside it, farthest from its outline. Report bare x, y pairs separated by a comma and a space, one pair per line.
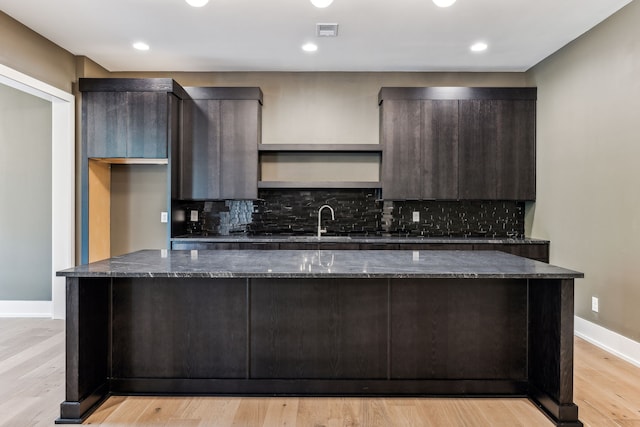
28, 52
588, 141
138, 195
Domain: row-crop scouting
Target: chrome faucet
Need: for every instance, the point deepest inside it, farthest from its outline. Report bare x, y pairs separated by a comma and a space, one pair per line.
333, 217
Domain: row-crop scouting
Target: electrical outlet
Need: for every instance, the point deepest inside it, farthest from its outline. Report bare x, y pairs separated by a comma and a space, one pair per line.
194, 216
594, 304
164, 217
416, 216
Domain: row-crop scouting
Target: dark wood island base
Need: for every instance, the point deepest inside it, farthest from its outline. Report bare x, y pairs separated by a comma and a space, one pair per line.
322, 331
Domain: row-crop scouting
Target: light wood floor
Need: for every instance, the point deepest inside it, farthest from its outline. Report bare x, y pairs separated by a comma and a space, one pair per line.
607, 390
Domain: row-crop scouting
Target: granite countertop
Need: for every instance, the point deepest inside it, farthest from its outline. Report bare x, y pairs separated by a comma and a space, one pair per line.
243, 238
320, 264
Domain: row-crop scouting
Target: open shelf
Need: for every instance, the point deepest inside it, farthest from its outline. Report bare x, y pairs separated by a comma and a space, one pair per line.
348, 148
318, 184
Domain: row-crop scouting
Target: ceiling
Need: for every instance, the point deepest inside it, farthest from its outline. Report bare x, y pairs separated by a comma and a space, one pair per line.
262, 35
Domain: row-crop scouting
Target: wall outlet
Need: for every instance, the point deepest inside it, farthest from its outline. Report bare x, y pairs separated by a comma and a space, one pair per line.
194, 216
416, 216
164, 217
594, 304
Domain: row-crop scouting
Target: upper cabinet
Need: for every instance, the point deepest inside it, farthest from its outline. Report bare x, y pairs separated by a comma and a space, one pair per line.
218, 155
129, 118
419, 142
458, 143
497, 149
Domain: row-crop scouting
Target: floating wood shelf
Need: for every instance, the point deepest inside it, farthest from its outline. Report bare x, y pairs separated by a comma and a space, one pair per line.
318, 184
349, 148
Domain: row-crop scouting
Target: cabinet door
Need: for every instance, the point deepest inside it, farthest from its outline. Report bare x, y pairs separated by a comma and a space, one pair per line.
440, 149
147, 124
126, 124
105, 123
477, 149
200, 150
239, 136
497, 149
516, 166
173, 139
400, 136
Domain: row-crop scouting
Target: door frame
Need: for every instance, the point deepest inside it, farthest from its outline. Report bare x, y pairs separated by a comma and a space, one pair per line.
62, 192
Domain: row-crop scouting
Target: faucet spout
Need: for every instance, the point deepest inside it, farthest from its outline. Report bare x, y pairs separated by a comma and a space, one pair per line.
333, 217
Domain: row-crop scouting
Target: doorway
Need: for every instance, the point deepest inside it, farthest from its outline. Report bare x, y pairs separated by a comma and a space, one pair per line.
38, 182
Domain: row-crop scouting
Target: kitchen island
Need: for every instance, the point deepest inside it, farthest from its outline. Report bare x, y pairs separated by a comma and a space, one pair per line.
320, 323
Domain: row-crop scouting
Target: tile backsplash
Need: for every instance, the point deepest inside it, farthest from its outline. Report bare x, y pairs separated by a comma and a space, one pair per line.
296, 212
454, 218
357, 212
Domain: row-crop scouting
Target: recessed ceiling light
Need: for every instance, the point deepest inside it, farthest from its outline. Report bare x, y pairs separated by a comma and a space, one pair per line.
309, 47
479, 47
197, 3
444, 3
141, 46
322, 3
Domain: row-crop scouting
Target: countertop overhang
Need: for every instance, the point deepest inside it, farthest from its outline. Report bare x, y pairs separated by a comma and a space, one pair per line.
321, 264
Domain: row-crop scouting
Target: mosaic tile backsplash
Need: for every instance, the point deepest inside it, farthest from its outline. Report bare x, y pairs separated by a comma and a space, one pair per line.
357, 212
296, 212
454, 218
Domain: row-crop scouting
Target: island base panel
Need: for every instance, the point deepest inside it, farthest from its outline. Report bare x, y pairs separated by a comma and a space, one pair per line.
88, 325
112, 321
551, 317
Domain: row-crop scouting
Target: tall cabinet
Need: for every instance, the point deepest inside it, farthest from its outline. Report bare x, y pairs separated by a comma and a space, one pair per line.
457, 143
124, 121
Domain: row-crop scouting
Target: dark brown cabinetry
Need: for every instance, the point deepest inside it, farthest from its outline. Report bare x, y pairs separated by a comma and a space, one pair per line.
348, 325
419, 139
129, 118
219, 146
458, 143
254, 324
497, 149
131, 121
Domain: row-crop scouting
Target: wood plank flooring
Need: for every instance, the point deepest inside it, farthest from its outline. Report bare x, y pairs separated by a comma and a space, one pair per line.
607, 391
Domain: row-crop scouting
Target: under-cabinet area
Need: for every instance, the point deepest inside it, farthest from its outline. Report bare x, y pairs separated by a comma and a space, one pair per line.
125, 201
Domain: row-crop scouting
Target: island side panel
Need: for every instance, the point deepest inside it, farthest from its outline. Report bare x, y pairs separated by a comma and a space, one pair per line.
551, 314
460, 329
87, 347
319, 329
185, 328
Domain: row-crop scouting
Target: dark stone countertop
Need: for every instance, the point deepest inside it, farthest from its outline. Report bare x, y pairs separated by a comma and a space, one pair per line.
320, 264
243, 238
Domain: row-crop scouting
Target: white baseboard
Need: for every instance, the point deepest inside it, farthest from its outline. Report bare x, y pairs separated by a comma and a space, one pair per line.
26, 308
610, 341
